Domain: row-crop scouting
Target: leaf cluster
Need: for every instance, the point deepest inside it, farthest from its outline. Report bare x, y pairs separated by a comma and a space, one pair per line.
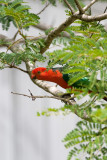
88, 138
17, 13
54, 111
31, 52
84, 57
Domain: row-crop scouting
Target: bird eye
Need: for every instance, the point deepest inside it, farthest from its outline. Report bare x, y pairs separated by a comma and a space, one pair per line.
38, 72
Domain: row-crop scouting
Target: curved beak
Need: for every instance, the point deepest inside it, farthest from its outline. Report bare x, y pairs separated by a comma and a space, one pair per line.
33, 76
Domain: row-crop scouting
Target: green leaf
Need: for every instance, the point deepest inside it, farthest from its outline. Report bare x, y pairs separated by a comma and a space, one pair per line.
100, 115
18, 14
77, 77
93, 79
38, 114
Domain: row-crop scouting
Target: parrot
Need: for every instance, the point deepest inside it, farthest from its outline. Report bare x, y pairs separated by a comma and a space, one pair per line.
55, 75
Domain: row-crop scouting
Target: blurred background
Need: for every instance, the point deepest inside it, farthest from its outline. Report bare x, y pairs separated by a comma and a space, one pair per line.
23, 135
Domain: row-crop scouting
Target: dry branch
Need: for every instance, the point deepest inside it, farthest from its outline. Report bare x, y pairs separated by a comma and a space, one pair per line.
68, 101
13, 66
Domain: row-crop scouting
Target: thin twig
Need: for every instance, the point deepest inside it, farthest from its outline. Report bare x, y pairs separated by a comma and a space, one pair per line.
35, 97
69, 6
12, 66
98, 23
65, 100
44, 27
79, 6
43, 9
21, 40
89, 5
15, 35
103, 12
105, 9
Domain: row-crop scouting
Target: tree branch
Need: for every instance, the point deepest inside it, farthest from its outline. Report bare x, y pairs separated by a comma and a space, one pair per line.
14, 37
69, 6
89, 5
44, 27
105, 9
88, 18
53, 34
65, 100
13, 66
54, 97
79, 7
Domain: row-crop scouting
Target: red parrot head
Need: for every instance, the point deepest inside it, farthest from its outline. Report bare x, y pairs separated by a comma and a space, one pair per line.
35, 74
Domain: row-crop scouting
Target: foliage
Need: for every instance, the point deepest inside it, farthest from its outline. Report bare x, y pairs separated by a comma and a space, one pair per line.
88, 138
54, 111
16, 12
31, 52
71, 2
83, 55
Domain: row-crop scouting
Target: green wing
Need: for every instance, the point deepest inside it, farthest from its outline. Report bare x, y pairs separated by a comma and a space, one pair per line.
82, 83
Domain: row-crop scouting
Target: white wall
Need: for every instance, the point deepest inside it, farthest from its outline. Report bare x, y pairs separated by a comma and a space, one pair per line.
23, 135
